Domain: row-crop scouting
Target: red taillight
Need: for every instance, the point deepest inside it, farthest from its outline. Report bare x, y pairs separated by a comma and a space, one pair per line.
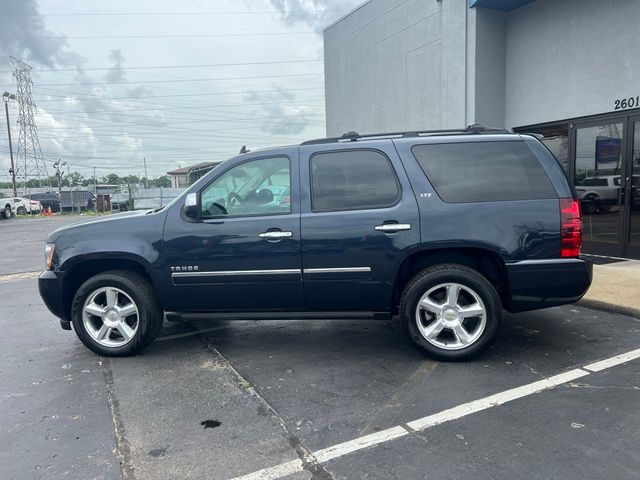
285, 200
571, 227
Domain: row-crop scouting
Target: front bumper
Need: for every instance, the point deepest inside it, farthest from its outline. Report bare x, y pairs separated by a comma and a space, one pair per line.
50, 285
534, 284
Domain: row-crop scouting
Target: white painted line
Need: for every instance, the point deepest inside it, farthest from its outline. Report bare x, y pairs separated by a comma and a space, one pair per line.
342, 449
495, 400
11, 277
356, 444
274, 473
567, 377
613, 361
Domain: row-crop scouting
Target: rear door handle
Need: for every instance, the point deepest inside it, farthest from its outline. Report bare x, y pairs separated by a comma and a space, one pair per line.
274, 234
392, 227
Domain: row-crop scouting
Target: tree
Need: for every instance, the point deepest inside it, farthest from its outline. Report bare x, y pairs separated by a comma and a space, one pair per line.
162, 182
112, 179
75, 178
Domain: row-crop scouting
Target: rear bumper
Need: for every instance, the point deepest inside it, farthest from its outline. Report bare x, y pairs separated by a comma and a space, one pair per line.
50, 286
534, 284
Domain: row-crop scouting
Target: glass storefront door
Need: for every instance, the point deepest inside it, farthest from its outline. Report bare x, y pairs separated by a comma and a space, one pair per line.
598, 180
601, 156
633, 189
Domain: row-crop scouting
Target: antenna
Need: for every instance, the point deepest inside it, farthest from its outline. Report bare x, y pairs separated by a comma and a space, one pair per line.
30, 162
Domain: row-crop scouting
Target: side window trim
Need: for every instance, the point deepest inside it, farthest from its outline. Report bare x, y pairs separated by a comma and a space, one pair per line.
219, 218
381, 207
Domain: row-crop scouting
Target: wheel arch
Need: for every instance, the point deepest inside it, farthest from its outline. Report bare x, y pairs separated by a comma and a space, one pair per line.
81, 269
484, 260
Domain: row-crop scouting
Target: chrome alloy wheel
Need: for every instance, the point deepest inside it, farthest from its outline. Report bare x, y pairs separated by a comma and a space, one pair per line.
110, 316
451, 316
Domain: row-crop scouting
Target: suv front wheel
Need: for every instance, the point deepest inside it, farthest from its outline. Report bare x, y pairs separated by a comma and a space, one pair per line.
116, 313
450, 312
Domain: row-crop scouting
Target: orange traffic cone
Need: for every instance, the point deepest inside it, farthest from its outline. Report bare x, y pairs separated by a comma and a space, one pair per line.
48, 212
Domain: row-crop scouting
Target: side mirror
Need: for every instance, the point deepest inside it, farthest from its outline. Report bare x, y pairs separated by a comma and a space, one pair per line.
191, 205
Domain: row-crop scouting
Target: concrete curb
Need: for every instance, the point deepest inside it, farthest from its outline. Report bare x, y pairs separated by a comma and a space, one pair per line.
610, 307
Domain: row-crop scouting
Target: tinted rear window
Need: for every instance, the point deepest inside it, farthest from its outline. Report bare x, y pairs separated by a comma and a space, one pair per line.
484, 171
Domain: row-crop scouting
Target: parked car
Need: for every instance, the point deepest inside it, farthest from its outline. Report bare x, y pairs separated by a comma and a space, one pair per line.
6, 209
598, 193
48, 200
24, 206
443, 228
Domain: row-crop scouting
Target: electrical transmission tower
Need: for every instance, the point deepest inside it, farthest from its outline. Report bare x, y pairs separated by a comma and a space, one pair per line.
30, 162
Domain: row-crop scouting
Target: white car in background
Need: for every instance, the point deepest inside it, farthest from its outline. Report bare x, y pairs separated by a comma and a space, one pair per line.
598, 194
22, 206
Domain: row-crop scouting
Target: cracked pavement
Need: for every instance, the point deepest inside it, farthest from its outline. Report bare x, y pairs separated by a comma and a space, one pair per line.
215, 399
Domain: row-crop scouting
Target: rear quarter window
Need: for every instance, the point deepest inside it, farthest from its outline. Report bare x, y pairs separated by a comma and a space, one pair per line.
484, 171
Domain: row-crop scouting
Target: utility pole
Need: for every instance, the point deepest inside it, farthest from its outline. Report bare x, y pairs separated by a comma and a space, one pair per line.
146, 176
57, 165
95, 190
6, 96
70, 190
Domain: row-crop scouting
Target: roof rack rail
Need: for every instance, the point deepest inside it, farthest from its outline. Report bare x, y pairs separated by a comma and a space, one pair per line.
354, 136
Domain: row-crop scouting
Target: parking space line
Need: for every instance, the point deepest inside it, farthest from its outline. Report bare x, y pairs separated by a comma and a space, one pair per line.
273, 473
460, 411
12, 277
613, 361
356, 444
495, 400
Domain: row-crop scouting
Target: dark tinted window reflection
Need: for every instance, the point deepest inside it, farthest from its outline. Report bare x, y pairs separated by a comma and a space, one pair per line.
556, 139
484, 171
354, 179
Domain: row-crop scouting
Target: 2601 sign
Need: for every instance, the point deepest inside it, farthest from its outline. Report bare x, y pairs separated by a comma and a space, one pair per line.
630, 102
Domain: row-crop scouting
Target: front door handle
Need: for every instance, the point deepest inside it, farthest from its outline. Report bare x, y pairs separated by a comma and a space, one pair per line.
275, 234
392, 227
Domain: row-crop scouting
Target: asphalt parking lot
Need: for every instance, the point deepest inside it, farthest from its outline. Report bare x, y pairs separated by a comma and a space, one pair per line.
219, 399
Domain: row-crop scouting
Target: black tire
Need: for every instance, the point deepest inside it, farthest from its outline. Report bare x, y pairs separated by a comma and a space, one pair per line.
6, 212
21, 211
589, 205
150, 315
468, 278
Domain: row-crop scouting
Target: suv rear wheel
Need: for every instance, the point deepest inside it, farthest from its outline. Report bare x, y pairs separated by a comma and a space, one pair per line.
116, 313
6, 212
450, 312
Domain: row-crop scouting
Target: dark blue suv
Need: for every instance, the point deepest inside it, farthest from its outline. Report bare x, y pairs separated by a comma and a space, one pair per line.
443, 228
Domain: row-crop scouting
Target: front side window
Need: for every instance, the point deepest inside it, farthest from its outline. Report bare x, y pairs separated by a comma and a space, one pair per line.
352, 180
257, 187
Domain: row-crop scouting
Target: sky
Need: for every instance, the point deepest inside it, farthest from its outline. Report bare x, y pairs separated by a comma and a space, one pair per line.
176, 83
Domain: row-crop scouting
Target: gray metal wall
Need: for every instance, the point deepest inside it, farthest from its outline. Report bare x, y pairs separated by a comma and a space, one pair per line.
384, 67
420, 64
570, 58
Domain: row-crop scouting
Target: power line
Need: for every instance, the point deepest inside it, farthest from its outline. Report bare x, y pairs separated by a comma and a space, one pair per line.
149, 67
94, 97
165, 35
186, 107
148, 14
182, 80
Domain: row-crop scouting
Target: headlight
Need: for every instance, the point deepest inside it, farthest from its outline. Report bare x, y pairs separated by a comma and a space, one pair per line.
48, 254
